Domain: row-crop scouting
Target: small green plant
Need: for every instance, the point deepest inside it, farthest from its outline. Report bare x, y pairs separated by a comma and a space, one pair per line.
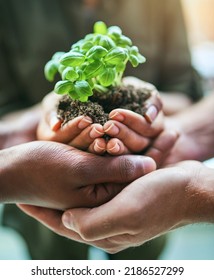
96, 62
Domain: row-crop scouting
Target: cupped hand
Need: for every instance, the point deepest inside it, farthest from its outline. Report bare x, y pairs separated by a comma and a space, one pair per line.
58, 176
129, 132
149, 207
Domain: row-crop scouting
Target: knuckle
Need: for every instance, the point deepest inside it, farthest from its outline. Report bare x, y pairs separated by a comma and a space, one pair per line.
86, 232
126, 168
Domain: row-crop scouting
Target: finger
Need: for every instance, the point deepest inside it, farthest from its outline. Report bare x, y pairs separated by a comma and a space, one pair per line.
87, 136
136, 122
116, 147
105, 223
50, 218
54, 122
131, 139
66, 132
154, 106
92, 169
98, 146
162, 146
72, 128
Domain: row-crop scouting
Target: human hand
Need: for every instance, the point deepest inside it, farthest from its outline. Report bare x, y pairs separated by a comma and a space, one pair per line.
19, 127
149, 207
196, 130
82, 134
58, 176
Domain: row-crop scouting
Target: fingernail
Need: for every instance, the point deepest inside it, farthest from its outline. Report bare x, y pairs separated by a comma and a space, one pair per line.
115, 148
149, 165
84, 122
67, 221
55, 123
98, 148
111, 128
116, 116
151, 114
94, 133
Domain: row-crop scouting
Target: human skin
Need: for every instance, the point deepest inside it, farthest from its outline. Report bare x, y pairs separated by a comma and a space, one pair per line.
196, 132
58, 176
156, 203
152, 205
19, 127
129, 131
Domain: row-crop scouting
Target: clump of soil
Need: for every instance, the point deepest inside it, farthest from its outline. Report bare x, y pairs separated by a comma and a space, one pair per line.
100, 104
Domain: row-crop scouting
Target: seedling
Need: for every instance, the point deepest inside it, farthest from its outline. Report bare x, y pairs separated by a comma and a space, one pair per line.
95, 63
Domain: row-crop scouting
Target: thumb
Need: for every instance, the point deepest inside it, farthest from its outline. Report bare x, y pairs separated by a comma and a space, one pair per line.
96, 223
121, 169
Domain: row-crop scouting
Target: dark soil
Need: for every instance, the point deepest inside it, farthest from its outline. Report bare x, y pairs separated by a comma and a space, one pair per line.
100, 105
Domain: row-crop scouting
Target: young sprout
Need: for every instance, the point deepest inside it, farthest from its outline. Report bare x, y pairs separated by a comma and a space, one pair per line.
96, 62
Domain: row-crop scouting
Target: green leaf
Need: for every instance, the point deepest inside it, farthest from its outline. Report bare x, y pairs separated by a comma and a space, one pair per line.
70, 74
124, 41
120, 67
96, 39
72, 59
100, 88
57, 56
77, 45
81, 74
134, 60
73, 94
116, 56
61, 68
134, 50
94, 62
93, 69
115, 32
63, 87
141, 58
83, 90
100, 27
107, 77
106, 42
89, 37
91, 83
96, 52
83, 98
50, 70
86, 46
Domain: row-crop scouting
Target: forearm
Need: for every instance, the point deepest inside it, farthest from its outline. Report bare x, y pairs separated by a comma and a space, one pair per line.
200, 196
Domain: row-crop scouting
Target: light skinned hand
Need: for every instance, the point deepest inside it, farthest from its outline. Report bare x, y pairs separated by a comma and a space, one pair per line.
129, 131
58, 176
148, 207
196, 130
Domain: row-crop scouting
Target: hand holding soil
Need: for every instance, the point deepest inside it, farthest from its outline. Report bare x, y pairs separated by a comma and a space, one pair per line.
127, 131
99, 111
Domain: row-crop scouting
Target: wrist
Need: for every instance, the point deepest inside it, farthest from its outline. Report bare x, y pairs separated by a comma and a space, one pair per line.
200, 194
7, 175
